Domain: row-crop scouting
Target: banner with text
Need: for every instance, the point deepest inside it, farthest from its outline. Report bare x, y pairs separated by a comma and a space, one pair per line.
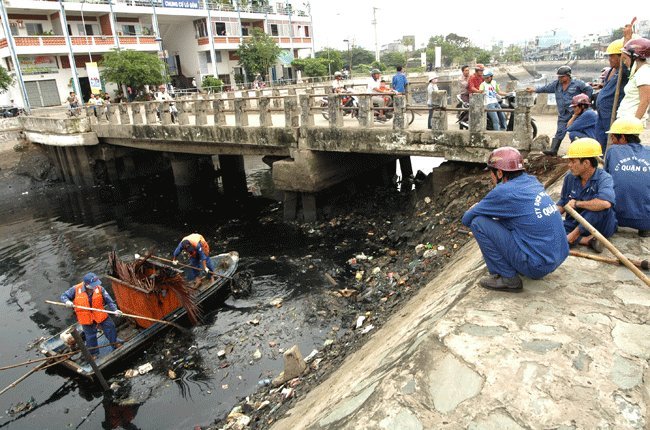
184, 4
93, 78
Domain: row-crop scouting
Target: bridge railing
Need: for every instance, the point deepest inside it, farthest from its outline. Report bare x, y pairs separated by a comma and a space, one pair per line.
267, 107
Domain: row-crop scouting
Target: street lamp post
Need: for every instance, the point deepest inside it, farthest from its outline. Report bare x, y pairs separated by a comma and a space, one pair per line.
349, 57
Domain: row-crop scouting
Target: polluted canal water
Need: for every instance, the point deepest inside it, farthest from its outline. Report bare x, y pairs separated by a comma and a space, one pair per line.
51, 236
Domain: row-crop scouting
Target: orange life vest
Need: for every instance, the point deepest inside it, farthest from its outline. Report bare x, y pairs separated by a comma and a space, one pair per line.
195, 239
86, 317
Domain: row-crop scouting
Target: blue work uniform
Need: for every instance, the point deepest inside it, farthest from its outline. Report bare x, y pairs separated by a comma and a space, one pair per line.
583, 126
605, 103
519, 229
195, 260
563, 99
599, 186
629, 166
90, 331
399, 82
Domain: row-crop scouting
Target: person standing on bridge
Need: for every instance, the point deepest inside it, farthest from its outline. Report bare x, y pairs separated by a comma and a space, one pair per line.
590, 191
564, 88
628, 161
198, 252
399, 82
517, 225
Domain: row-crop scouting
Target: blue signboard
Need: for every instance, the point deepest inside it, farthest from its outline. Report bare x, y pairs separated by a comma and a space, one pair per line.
185, 4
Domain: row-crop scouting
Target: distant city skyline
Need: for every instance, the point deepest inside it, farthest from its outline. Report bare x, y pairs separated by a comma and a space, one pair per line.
337, 20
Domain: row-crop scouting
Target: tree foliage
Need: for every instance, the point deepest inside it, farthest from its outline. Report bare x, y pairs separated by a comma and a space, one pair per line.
5, 80
456, 49
212, 84
334, 57
312, 66
585, 53
361, 56
393, 59
258, 53
133, 68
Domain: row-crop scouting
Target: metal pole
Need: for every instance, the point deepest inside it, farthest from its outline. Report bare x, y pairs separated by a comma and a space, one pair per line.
14, 57
159, 38
213, 56
116, 39
83, 23
241, 40
311, 25
68, 41
374, 23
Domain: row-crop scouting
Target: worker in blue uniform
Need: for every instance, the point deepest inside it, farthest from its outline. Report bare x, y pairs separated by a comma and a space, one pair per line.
564, 88
584, 119
517, 225
628, 161
605, 100
590, 191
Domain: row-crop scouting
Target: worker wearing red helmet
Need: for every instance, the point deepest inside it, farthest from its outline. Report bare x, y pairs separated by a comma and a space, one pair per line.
517, 225
637, 91
584, 119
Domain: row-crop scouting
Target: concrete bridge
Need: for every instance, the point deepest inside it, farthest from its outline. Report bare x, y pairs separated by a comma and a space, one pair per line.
308, 153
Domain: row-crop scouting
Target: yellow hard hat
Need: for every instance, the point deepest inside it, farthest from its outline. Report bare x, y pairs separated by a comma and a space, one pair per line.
585, 147
627, 125
614, 47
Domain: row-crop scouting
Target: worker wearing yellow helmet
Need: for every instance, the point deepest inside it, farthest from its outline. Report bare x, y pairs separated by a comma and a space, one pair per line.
628, 161
605, 99
590, 191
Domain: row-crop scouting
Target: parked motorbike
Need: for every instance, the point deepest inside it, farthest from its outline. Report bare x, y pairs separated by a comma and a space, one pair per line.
507, 102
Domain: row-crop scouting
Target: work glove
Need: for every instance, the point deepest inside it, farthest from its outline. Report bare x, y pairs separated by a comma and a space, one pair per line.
69, 304
174, 262
207, 270
118, 313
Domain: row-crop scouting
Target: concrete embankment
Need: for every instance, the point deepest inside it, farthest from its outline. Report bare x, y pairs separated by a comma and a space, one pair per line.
570, 352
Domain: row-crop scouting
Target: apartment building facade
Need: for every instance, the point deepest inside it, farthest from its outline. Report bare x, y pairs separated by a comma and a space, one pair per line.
195, 37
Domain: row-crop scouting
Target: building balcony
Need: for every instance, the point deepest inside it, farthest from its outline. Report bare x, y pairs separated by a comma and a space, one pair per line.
27, 45
232, 42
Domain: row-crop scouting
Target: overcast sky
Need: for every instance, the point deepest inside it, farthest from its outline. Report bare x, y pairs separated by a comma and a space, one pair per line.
336, 20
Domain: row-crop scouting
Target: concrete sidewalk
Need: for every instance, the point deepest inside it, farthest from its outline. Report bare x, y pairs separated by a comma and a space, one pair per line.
570, 352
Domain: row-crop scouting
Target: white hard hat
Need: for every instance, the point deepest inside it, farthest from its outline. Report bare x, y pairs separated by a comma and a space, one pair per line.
433, 76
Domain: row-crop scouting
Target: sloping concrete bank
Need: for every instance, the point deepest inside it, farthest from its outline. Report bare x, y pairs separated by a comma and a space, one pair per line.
570, 352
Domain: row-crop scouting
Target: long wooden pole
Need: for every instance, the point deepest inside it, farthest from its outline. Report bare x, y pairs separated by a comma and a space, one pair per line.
619, 79
622, 258
643, 264
187, 265
121, 313
89, 358
19, 380
54, 357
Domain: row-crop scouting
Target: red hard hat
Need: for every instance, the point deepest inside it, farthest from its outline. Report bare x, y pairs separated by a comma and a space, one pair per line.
580, 99
507, 159
637, 48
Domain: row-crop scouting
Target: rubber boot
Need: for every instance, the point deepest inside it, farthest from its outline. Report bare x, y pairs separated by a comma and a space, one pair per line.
555, 145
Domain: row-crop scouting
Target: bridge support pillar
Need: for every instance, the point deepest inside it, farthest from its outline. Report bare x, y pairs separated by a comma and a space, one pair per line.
74, 165
233, 174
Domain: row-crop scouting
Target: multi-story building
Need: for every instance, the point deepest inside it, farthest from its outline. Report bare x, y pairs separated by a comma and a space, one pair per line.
195, 37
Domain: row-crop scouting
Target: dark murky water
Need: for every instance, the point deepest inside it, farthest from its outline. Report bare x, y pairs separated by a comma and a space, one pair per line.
49, 238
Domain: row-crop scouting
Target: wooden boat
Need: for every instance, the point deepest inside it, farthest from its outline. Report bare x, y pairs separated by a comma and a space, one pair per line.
161, 303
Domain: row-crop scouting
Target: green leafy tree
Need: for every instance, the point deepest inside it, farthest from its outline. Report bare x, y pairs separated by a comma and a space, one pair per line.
409, 41
513, 54
212, 84
361, 56
456, 50
393, 59
334, 57
616, 34
5, 80
133, 68
311, 67
258, 53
